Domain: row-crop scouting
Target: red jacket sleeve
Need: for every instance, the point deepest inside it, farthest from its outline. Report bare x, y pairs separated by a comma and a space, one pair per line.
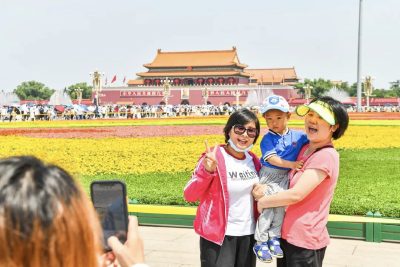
199, 182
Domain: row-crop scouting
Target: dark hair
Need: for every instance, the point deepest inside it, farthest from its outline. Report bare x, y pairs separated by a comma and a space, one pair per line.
45, 218
341, 116
242, 116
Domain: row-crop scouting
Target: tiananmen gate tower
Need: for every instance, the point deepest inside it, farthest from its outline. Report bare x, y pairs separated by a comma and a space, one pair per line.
189, 73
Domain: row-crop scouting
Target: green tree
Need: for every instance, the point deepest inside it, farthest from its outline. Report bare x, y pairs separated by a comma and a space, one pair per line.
395, 84
86, 93
352, 91
379, 93
320, 86
33, 90
394, 89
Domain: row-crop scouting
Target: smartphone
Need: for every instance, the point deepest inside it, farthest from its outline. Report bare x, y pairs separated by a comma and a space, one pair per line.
109, 200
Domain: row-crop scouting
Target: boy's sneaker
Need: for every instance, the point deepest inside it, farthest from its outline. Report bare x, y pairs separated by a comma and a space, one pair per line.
262, 252
275, 247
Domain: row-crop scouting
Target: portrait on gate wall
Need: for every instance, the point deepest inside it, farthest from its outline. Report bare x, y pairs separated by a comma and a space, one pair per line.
185, 93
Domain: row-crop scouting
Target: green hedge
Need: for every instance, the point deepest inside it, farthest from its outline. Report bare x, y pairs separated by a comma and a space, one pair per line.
369, 180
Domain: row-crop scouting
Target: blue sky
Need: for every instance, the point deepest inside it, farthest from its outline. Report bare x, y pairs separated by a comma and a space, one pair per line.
59, 42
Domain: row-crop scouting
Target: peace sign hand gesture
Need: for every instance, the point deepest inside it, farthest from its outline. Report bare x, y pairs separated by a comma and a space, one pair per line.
210, 160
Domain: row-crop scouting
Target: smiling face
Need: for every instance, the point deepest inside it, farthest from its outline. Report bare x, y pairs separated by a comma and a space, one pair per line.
317, 129
276, 120
242, 141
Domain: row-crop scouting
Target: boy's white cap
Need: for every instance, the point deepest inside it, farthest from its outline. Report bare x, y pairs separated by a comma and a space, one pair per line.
274, 102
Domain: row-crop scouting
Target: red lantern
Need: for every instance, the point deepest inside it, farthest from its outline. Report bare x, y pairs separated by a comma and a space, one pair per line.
176, 80
157, 80
220, 80
231, 80
200, 80
210, 80
147, 81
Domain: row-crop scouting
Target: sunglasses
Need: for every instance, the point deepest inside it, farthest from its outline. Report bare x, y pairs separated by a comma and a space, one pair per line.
240, 130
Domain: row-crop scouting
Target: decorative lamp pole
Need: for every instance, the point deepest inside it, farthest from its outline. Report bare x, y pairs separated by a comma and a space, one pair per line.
368, 87
307, 92
166, 90
205, 95
97, 84
79, 95
237, 94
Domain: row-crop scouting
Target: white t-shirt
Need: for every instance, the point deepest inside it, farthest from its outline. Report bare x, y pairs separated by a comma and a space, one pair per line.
241, 176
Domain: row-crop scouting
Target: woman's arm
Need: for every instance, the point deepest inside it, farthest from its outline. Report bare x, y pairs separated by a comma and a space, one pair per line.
308, 181
203, 175
277, 161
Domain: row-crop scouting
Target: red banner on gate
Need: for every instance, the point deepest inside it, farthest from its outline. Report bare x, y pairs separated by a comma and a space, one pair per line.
140, 93
228, 93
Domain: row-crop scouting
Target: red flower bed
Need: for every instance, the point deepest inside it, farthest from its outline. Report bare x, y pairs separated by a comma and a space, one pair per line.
119, 131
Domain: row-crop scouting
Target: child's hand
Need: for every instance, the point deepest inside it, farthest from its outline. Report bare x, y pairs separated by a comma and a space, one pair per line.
297, 165
210, 160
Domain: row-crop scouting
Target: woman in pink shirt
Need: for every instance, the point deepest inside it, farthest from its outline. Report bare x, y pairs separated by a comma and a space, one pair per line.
304, 234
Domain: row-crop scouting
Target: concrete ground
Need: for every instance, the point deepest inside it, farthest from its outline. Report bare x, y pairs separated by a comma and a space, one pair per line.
179, 247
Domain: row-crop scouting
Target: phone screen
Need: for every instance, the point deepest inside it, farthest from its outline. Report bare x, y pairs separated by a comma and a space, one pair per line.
109, 200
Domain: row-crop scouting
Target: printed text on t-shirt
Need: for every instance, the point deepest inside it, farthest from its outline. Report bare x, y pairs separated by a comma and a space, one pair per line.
242, 176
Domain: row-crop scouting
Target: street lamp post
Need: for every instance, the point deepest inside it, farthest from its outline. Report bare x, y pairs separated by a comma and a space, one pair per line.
307, 92
97, 84
79, 95
359, 58
368, 87
205, 95
166, 90
237, 94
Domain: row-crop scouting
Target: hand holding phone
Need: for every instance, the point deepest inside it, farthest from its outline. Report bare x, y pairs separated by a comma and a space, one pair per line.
130, 253
109, 200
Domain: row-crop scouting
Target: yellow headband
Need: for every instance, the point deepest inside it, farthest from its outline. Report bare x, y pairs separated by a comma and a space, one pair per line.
321, 108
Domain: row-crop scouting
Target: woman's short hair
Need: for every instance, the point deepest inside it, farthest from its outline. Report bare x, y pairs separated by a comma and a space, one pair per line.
45, 218
341, 115
242, 116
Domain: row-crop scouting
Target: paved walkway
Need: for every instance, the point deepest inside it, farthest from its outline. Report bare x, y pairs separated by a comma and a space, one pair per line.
179, 247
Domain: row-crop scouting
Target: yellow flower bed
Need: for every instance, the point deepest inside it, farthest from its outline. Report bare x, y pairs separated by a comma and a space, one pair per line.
158, 154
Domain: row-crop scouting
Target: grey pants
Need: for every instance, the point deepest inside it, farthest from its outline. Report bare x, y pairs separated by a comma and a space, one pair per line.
269, 223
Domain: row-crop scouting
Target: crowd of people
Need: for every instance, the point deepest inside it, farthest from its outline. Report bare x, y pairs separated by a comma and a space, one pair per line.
387, 108
50, 113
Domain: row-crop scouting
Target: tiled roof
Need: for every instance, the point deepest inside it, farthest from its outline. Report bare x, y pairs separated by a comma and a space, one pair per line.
288, 73
135, 82
191, 73
269, 80
196, 59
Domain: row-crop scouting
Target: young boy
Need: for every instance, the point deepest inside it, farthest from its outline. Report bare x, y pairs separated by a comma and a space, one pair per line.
280, 148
